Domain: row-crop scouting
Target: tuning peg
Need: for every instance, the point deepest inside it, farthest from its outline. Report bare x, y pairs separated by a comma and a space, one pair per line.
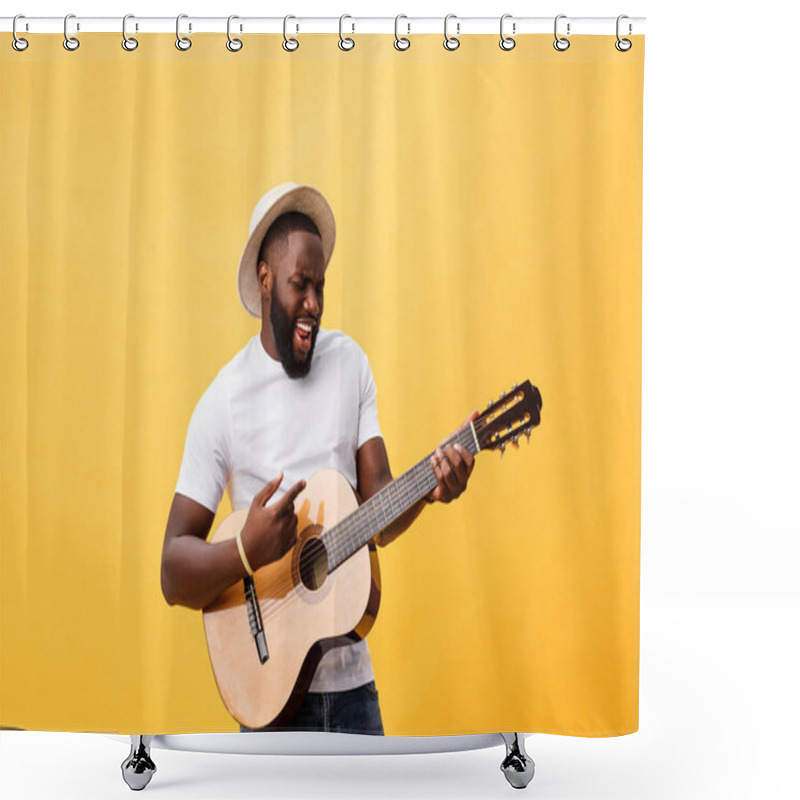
515, 385
502, 449
528, 435
515, 440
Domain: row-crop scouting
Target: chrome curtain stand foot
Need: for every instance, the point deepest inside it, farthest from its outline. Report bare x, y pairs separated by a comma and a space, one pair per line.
517, 766
138, 768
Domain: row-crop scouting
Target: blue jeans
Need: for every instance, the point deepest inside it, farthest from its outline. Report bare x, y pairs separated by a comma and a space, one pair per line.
353, 711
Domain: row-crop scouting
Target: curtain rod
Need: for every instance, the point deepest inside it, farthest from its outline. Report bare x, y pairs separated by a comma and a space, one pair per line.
457, 26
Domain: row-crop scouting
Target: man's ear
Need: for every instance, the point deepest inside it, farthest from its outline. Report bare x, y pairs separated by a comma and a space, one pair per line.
265, 279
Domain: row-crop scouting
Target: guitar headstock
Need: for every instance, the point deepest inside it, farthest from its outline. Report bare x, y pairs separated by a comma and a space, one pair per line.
515, 413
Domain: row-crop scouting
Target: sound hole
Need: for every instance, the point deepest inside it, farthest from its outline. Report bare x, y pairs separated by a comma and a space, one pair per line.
313, 564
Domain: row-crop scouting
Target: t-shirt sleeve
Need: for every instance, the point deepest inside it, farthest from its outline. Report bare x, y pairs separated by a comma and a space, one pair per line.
206, 455
368, 427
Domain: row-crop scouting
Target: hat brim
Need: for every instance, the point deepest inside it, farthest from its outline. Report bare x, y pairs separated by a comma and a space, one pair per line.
304, 199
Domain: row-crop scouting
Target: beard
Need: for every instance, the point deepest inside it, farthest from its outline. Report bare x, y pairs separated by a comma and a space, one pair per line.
283, 331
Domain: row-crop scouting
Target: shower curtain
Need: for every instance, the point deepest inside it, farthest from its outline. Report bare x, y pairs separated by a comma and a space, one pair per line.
488, 216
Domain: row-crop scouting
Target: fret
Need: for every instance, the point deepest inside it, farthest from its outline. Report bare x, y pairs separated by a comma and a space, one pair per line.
382, 506
373, 516
395, 504
381, 517
409, 489
417, 482
384, 503
372, 520
391, 496
402, 491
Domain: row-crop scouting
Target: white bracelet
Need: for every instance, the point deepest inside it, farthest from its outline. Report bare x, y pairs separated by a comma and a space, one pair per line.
242, 554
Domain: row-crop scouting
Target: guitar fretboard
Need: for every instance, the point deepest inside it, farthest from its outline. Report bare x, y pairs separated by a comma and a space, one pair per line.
382, 509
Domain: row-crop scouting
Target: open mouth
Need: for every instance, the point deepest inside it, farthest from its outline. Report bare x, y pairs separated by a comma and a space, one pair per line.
303, 330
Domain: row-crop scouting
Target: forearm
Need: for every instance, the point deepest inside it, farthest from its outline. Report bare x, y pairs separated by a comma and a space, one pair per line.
401, 524
195, 572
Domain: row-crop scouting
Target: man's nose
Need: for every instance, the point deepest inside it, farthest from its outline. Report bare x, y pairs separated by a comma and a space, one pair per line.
311, 302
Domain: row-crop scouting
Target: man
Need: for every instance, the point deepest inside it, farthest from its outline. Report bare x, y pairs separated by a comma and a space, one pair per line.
295, 400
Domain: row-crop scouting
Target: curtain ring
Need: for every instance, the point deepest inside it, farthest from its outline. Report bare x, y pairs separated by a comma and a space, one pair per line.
345, 42
289, 44
400, 42
128, 42
18, 43
506, 42
561, 44
70, 42
451, 42
181, 41
233, 44
623, 45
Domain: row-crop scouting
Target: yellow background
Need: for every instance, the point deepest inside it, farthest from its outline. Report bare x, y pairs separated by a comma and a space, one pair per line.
489, 230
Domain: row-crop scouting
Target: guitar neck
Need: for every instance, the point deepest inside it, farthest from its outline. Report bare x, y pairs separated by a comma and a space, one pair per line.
382, 509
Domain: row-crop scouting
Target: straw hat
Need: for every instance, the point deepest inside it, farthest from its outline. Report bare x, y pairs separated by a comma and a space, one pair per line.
281, 200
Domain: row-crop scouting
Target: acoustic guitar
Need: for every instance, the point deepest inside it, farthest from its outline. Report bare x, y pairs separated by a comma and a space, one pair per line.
267, 634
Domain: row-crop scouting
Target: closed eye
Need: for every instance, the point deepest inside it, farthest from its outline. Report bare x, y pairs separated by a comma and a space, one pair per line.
301, 286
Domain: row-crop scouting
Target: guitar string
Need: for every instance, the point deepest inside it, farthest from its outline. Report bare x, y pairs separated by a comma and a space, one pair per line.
346, 538
286, 586
295, 592
406, 493
350, 536
398, 496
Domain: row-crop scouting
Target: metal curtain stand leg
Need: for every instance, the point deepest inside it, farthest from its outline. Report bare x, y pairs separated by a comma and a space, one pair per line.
517, 766
138, 768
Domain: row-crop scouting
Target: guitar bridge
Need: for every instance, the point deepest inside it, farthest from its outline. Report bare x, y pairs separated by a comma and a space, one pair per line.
254, 615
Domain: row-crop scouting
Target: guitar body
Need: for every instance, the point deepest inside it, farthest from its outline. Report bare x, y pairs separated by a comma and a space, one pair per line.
304, 611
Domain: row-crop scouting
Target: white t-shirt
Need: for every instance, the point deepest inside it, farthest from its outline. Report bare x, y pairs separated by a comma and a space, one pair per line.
254, 421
